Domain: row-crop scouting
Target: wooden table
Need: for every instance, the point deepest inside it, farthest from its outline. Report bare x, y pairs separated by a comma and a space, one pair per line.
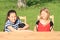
29, 35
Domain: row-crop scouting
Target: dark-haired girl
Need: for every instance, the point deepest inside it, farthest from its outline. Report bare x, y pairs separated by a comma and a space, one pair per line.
13, 23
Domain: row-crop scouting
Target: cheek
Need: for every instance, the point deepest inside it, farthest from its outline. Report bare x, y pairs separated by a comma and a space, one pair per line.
43, 15
9, 18
15, 18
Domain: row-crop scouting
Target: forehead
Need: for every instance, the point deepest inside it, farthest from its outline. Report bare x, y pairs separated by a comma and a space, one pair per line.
12, 14
43, 12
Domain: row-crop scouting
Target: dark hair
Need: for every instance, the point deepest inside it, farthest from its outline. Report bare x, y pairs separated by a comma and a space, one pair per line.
9, 12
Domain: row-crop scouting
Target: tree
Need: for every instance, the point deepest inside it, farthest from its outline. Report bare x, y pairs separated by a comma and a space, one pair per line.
21, 3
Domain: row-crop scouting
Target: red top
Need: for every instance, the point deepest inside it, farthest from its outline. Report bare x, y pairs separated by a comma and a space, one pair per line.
42, 28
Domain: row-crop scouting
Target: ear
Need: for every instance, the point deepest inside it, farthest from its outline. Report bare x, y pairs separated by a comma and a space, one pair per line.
8, 17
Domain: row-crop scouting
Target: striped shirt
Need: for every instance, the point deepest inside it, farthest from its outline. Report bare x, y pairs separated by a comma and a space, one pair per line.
9, 23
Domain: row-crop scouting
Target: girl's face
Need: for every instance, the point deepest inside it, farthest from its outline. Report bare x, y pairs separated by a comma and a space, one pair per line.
12, 17
44, 15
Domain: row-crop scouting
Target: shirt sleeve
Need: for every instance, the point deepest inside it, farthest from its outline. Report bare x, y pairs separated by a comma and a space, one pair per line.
37, 22
7, 24
20, 25
51, 24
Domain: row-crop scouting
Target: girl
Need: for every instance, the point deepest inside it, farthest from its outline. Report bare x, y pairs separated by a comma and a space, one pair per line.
44, 23
13, 23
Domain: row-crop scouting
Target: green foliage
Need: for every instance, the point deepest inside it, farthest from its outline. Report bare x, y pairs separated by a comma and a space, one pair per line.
34, 2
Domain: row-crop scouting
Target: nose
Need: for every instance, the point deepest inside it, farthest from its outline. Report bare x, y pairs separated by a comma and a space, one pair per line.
13, 18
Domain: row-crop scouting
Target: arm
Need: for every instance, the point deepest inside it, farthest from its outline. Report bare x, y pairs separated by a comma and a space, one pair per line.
35, 28
24, 28
51, 26
11, 29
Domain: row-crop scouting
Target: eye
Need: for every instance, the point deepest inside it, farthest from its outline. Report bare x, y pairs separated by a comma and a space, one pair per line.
11, 16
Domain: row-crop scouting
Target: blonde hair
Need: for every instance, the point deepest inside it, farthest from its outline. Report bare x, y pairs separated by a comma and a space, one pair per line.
45, 10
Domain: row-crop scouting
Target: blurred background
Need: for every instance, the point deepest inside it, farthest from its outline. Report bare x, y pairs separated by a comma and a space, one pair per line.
30, 9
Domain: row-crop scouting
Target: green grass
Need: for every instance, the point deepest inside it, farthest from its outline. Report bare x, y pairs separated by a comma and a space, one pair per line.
30, 12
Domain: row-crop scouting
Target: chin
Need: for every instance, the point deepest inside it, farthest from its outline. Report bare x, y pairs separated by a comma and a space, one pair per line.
13, 21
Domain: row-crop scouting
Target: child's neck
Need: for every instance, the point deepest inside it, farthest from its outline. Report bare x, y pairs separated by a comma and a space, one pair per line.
44, 22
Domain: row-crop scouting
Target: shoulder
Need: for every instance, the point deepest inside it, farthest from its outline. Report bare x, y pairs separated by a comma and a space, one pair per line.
8, 22
18, 20
37, 22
